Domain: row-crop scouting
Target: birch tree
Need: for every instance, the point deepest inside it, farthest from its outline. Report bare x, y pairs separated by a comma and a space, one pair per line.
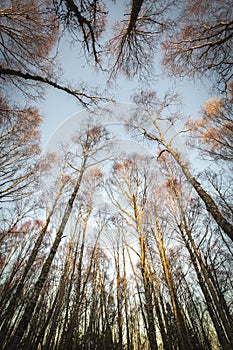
88, 143
152, 111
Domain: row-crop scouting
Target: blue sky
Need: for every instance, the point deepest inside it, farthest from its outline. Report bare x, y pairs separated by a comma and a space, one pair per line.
57, 106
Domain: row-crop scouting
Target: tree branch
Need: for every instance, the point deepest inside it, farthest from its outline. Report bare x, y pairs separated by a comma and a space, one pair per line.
81, 96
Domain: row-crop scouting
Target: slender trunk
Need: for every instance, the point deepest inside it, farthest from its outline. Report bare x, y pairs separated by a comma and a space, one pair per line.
151, 331
119, 300
126, 304
216, 312
138, 290
222, 302
18, 291
219, 320
73, 329
148, 297
15, 342
70, 283
52, 316
159, 306
210, 204
36, 323
205, 342
182, 330
58, 304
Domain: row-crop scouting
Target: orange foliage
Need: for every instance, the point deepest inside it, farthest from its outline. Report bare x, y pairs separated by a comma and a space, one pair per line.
212, 107
95, 173
213, 133
210, 134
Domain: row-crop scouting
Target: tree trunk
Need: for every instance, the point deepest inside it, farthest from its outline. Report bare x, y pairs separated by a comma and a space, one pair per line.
182, 330
18, 291
219, 320
15, 342
211, 206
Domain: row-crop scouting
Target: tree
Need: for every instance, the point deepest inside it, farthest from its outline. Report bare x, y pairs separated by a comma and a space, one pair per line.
85, 21
15, 297
132, 46
212, 134
19, 148
88, 143
156, 111
22, 51
200, 42
219, 317
158, 228
135, 39
25, 60
91, 180
131, 185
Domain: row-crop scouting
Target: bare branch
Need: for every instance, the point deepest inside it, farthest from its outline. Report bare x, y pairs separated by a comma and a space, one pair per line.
81, 96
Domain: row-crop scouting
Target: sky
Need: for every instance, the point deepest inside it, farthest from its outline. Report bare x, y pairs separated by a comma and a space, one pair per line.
58, 108
62, 115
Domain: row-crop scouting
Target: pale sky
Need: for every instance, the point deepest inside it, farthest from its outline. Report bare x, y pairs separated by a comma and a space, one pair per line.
58, 107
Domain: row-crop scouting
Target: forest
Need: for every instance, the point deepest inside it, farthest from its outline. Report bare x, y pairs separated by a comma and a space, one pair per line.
102, 249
